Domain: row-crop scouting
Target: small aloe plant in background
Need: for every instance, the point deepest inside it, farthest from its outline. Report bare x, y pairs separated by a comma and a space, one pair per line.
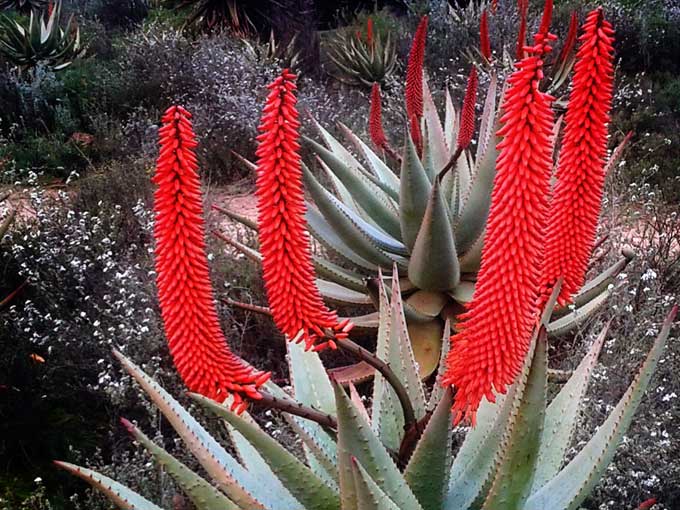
492, 369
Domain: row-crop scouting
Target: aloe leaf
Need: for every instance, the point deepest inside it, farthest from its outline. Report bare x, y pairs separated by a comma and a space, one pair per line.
471, 260
427, 472
247, 251
434, 262
329, 238
240, 218
341, 190
354, 374
119, 495
569, 488
413, 193
515, 470
337, 293
345, 224
438, 390
241, 487
327, 269
426, 343
616, 154
439, 149
488, 115
400, 356
375, 163
428, 303
601, 282
427, 157
357, 440
578, 316
368, 322
477, 201
336, 147
365, 193
388, 419
245, 162
562, 416
450, 121
203, 495
312, 492
463, 292
311, 384
369, 494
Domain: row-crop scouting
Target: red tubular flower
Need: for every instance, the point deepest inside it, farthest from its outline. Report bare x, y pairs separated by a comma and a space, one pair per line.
570, 41
484, 43
375, 127
467, 114
295, 301
414, 81
577, 196
523, 6
369, 32
198, 346
493, 336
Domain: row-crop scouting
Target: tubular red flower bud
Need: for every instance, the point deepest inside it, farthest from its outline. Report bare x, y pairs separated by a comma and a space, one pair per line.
570, 41
198, 347
294, 299
369, 32
414, 79
493, 336
375, 127
467, 114
484, 43
577, 196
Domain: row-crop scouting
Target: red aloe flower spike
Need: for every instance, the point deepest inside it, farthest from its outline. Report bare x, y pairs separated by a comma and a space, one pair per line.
523, 6
414, 80
494, 6
369, 32
484, 43
570, 41
199, 348
295, 302
375, 127
467, 114
494, 333
581, 171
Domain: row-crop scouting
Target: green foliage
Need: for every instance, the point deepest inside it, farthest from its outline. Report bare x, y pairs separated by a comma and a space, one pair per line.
500, 459
24, 6
40, 40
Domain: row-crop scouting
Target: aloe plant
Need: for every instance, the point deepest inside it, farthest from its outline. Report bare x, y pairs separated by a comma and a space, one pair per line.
23, 6
40, 40
363, 58
363, 458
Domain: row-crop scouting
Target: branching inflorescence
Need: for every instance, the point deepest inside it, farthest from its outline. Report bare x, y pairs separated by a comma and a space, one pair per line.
198, 346
494, 334
577, 196
296, 304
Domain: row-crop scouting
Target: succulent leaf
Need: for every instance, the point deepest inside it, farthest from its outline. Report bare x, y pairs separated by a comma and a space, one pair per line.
439, 149
426, 342
337, 293
573, 319
413, 193
369, 494
337, 274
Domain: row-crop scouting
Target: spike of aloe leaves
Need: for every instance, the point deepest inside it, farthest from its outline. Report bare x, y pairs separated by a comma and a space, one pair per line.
569, 488
437, 389
475, 207
515, 470
357, 440
329, 238
239, 218
439, 149
336, 147
388, 419
311, 384
450, 121
365, 193
369, 494
335, 273
231, 477
427, 158
203, 495
375, 163
311, 491
562, 416
337, 293
434, 262
341, 190
247, 251
368, 322
427, 472
413, 193
245, 162
351, 228
119, 495
578, 316
471, 260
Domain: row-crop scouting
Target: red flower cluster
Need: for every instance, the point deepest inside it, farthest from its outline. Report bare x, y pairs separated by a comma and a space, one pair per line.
369, 32
570, 41
494, 334
414, 82
467, 114
523, 7
198, 346
577, 195
484, 43
375, 127
295, 302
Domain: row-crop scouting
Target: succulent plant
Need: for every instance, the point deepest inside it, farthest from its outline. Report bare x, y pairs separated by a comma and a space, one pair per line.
23, 6
211, 15
40, 40
356, 457
275, 51
363, 58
